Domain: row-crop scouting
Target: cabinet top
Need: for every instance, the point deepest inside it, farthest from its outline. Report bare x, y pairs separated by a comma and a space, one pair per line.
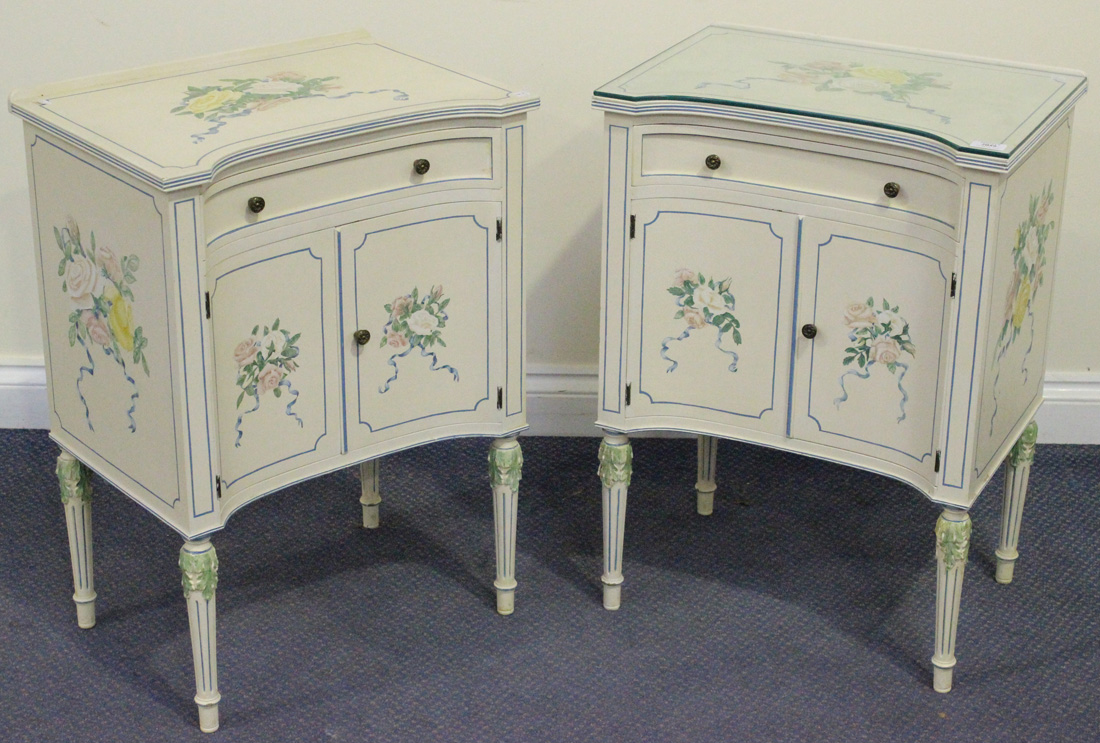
978, 112
175, 125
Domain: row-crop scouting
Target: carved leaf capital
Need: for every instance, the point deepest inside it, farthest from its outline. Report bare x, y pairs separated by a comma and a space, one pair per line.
1023, 451
952, 541
74, 479
616, 464
505, 466
200, 572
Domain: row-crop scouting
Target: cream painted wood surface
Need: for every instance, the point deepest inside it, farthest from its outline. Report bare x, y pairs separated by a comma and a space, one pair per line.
808, 246
263, 266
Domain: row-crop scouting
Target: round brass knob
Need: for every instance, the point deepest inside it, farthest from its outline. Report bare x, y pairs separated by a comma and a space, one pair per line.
891, 189
362, 337
713, 162
421, 166
256, 204
809, 330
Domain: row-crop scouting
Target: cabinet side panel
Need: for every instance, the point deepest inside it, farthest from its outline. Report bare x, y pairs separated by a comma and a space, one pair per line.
613, 307
105, 304
1019, 303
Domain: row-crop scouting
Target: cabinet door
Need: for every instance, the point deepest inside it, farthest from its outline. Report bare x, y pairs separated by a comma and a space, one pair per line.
426, 284
869, 381
273, 311
711, 287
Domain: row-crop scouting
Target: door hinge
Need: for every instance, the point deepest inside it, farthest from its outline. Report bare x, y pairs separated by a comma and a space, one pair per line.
954, 284
937, 467
628, 394
500, 229
632, 220
500, 398
218, 485
207, 305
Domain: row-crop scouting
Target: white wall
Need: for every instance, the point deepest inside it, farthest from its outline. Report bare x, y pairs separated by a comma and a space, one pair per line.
560, 49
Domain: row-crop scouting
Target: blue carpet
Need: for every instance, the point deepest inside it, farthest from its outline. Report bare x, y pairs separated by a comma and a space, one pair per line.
802, 610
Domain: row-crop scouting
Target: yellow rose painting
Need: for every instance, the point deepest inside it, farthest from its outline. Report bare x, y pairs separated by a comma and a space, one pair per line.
98, 283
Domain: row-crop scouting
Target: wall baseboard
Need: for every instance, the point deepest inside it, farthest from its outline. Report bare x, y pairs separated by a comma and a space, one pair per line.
561, 401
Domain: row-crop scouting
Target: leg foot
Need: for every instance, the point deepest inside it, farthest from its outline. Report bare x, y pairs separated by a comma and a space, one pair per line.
371, 498
704, 485
505, 471
76, 494
1017, 470
952, 547
616, 465
199, 564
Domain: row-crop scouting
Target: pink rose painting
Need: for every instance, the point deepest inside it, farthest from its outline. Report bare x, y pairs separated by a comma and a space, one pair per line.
264, 361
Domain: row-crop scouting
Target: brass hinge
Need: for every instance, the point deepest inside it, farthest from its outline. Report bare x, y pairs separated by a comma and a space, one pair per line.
500, 398
937, 467
218, 485
954, 284
628, 394
500, 229
207, 305
632, 220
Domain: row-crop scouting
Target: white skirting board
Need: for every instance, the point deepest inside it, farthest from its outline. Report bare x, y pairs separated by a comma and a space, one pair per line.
561, 401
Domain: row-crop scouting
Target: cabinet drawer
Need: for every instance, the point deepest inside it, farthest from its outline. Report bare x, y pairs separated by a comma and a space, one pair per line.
724, 162
454, 160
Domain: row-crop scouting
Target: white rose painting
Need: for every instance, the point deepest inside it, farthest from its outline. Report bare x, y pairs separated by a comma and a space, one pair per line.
264, 361
416, 321
702, 302
879, 336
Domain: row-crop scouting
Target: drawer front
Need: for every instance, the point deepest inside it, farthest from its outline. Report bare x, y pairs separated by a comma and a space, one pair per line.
724, 162
404, 168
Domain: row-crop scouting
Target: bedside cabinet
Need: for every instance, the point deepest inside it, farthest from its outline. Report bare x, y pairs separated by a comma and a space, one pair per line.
838, 249
260, 267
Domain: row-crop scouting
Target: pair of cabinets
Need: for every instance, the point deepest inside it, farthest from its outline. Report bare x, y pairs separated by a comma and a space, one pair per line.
748, 316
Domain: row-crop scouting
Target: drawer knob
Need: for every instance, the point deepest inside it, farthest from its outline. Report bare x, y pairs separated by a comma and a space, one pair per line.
421, 166
891, 189
809, 330
713, 162
256, 204
362, 337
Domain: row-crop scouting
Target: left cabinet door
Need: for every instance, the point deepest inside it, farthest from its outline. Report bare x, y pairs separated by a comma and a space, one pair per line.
426, 285
276, 362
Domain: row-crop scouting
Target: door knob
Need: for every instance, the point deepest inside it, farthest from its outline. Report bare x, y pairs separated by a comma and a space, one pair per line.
256, 204
809, 330
713, 162
362, 337
891, 190
421, 166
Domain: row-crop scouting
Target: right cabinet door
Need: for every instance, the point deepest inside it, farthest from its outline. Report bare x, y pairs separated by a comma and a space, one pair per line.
711, 291
871, 321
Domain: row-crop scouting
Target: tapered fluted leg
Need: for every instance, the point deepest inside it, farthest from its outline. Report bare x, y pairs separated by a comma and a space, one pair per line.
952, 546
505, 470
368, 474
199, 564
76, 494
704, 484
1012, 509
616, 464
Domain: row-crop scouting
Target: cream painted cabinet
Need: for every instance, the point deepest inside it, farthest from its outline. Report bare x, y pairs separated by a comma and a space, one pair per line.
837, 249
264, 266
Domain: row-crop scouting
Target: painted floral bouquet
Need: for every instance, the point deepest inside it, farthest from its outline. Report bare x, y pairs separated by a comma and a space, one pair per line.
264, 360
98, 284
878, 337
416, 321
703, 302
